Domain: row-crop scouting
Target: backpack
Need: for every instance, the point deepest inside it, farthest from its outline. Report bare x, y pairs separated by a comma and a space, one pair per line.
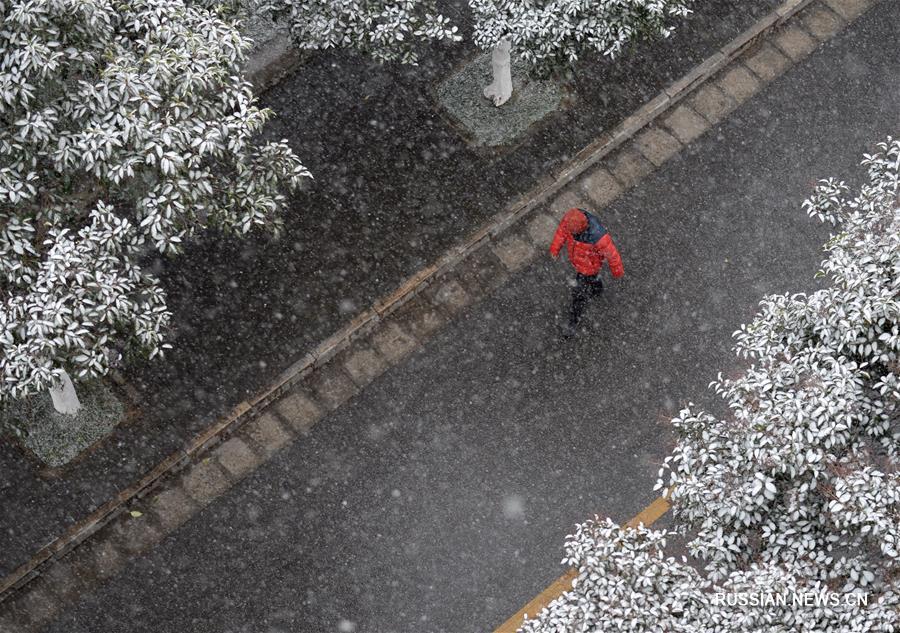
594, 232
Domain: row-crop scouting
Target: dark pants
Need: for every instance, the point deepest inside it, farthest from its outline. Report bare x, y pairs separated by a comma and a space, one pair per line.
585, 287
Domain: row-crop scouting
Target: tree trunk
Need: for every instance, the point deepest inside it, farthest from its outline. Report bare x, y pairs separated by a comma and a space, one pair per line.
500, 89
65, 400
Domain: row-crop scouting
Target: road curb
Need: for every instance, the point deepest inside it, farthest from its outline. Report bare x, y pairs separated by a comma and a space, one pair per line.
646, 517
502, 245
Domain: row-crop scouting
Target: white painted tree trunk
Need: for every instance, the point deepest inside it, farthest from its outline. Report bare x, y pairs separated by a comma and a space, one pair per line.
500, 89
65, 400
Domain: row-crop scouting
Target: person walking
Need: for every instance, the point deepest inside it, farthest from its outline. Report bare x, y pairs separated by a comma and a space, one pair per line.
588, 245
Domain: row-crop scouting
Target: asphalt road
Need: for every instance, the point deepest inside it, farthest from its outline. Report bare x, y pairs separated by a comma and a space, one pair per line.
438, 500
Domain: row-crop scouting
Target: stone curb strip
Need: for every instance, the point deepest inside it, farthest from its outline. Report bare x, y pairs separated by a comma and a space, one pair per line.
343, 364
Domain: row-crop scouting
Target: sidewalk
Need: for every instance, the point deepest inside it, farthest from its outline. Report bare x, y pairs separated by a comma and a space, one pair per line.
390, 168
438, 498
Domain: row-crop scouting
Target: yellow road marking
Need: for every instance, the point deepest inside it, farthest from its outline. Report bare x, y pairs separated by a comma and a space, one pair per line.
650, 515
647, 516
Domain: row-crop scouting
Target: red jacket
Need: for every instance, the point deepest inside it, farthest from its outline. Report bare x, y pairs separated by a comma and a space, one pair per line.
587, 242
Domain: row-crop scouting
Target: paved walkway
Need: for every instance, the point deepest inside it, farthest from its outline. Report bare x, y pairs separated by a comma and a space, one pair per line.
438, 499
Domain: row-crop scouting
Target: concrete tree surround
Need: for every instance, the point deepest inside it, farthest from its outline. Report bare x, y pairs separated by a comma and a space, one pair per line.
502, 112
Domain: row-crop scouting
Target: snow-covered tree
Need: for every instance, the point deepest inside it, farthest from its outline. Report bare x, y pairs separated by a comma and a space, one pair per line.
798, 489
388, 30
126, 127
623, 578
548, 33
86, 294
545, 33
626, 584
